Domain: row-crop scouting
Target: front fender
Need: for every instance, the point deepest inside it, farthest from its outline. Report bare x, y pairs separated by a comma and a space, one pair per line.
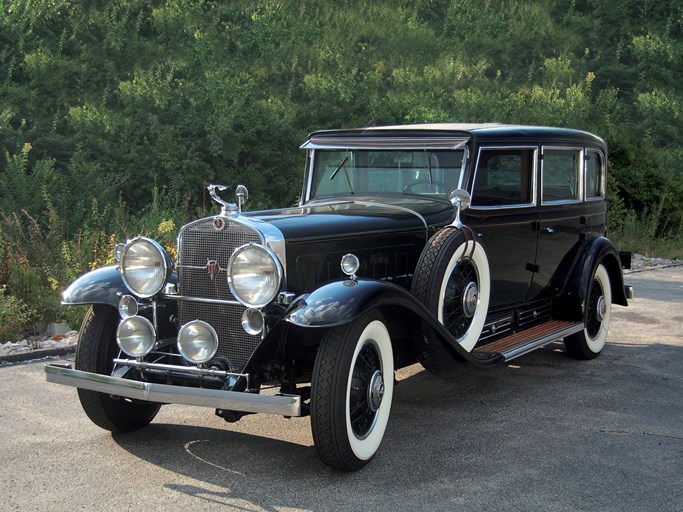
341, 302
101, 286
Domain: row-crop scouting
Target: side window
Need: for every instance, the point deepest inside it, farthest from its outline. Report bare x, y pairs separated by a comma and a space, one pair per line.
561, 175
504, 177
595, 174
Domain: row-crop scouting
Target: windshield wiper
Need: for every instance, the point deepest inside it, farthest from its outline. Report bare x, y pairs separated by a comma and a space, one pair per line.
341, 164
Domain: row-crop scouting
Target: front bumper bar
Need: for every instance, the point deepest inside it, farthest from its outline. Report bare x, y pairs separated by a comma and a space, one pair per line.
284, 405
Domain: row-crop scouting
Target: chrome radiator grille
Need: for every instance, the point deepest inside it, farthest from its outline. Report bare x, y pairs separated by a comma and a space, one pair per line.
199, 244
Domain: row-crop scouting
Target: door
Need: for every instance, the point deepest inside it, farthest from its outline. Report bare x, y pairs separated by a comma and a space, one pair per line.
562, 219
504, 212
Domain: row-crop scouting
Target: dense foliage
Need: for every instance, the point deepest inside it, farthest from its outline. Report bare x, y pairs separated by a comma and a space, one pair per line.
115, 114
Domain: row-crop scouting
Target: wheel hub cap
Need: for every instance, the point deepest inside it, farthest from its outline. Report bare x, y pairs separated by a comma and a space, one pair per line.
601, 308
470, 299
375, 391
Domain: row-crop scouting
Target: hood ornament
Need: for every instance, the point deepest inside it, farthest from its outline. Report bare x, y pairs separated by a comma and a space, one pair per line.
229, 209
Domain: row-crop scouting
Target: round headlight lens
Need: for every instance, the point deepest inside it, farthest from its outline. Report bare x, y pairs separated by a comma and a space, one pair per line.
197, 342
135, 336
254, 275
145, 266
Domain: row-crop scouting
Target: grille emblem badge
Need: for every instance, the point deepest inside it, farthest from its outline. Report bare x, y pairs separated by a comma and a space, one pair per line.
212, 268
218, 223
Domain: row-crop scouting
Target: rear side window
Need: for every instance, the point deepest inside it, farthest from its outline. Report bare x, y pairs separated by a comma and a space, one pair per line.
595, 175
561, 175
504, 177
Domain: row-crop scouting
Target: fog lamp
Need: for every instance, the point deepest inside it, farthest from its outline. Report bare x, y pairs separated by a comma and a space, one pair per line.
197, 342
135, 336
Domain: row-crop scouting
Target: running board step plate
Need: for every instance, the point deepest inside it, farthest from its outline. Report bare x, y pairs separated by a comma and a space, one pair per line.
525, 341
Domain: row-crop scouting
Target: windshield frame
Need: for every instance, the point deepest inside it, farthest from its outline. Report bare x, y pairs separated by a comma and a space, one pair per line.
423, 164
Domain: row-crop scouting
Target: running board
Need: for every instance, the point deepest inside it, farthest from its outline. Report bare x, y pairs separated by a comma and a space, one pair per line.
525, 341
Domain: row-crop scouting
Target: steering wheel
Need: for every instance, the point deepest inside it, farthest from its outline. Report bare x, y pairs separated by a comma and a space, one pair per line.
436, 184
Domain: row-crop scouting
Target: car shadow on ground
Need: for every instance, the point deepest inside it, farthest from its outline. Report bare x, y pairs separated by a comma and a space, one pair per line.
489, 429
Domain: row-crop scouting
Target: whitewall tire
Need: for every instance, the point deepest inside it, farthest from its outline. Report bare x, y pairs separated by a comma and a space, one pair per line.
351, 392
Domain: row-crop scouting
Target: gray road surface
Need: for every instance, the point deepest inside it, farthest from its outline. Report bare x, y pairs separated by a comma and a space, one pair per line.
543, 433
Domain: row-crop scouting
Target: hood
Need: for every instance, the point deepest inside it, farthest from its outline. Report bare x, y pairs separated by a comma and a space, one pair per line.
338, 218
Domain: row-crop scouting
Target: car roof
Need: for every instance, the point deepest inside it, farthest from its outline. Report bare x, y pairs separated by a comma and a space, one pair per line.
481, 132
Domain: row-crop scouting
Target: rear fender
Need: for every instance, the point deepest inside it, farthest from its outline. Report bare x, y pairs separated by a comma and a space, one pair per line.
598, 250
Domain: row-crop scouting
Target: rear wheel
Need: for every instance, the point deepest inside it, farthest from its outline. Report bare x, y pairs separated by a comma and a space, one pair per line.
95, 353
351, 392
589, 342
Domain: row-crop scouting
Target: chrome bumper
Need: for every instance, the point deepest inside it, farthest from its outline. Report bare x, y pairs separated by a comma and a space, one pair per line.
284, 405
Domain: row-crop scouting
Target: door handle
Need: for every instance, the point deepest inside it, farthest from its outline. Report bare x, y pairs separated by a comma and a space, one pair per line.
549, 230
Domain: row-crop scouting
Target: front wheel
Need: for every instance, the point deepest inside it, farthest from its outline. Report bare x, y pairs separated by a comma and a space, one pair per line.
589, 342
351, 392
95, 353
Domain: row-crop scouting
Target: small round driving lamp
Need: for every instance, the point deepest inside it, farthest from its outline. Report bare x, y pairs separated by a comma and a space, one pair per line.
128, 306
252, 321
145, 266
197, 342
254, 275
350, 265
135, 336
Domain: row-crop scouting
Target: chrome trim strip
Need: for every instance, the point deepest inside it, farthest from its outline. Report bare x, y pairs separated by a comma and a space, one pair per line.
284, 405
543, 340
534, 177
200, 299
581, 170
395, 207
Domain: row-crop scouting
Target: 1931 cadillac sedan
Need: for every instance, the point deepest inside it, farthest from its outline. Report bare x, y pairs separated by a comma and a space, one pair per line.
440, 244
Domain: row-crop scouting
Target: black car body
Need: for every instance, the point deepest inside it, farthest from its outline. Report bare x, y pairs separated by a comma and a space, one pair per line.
440, 244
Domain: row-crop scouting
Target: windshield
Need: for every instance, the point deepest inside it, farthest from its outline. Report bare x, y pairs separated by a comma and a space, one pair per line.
342, 172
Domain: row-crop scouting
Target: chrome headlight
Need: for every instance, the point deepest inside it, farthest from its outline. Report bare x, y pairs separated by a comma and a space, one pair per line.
145, 266
135, 336
254, 275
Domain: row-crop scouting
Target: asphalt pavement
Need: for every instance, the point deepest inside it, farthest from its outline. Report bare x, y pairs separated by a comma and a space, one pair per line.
542, 433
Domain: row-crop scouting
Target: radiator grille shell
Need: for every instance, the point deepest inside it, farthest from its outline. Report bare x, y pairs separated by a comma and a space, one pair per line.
200, 243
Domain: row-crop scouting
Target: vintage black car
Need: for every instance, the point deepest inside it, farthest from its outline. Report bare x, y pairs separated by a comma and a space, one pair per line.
440, 244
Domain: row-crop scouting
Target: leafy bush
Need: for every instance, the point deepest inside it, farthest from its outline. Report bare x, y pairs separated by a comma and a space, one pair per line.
115, 115
15, 316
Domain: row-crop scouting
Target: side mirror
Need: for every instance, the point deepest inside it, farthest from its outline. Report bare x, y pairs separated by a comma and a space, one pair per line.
242, 195
460, 199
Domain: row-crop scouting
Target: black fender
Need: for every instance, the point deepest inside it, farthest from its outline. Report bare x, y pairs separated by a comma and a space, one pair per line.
101, 286
341, 302
597, 250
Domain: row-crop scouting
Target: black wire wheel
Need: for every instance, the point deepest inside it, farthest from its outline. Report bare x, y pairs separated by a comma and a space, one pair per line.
452, 280
589, 342
351, 392
95, 353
